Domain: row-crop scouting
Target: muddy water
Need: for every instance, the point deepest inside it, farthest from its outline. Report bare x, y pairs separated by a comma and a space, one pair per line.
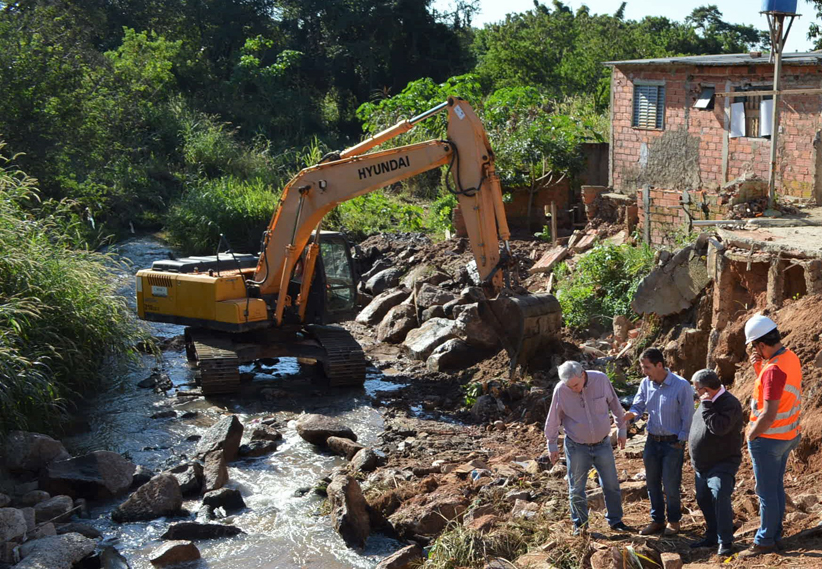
283, 524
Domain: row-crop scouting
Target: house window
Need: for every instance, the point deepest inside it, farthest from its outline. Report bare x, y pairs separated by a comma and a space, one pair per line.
706, 99
750, 114
649, 106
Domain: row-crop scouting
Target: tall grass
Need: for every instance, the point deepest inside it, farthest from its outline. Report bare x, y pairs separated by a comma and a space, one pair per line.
60, 316
241, 210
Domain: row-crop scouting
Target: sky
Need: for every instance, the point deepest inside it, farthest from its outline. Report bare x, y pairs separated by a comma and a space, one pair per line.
733, 11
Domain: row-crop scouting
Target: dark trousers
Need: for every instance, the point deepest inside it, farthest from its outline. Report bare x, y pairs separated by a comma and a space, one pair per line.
713, 494
663, 471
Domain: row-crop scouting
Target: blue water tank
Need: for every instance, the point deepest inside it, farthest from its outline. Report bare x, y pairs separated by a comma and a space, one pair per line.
783, 6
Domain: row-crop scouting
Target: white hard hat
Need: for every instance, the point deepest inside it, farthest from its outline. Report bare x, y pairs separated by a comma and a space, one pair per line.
757, 326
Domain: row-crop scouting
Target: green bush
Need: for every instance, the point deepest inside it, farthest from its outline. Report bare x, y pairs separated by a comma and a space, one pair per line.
602, 284
60, 315
376, 212
240, 210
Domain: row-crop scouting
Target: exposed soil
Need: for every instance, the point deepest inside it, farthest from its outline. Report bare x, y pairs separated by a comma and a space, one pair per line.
430, 431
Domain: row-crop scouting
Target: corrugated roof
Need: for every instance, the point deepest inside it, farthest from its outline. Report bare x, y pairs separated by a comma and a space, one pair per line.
807, 58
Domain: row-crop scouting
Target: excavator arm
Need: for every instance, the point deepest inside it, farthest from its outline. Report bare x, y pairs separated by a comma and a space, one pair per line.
315, 191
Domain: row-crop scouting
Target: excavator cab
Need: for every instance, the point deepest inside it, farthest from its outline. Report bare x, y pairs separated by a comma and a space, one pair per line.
340, 280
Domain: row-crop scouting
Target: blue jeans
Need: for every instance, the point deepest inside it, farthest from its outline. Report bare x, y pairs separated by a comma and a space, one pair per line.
663, 468
713, 494
580, 459
769, 458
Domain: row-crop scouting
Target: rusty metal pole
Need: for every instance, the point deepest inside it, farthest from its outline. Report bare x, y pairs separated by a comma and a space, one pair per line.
776, 46
779, 34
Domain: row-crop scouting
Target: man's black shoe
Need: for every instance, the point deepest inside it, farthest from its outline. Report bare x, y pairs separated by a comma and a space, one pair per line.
620, 526
725, 549
780, 545
706, 542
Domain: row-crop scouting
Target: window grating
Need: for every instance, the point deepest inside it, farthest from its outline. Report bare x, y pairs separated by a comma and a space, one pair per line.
649, 106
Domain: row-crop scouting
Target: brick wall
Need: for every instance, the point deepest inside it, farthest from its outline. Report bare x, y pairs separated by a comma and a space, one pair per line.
689, 152
670, 211
516, 210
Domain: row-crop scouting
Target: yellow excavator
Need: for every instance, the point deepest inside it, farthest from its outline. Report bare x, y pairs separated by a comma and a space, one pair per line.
239, 308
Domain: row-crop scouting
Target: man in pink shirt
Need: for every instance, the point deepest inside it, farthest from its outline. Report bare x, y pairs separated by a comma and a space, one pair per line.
580, 404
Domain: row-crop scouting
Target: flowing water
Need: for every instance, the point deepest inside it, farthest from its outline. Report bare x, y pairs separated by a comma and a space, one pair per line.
283, 525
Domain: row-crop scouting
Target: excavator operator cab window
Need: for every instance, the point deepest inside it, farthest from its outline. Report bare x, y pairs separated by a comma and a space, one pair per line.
341, 294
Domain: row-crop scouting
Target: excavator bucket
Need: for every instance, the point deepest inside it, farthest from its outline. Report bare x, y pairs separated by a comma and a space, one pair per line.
525, 324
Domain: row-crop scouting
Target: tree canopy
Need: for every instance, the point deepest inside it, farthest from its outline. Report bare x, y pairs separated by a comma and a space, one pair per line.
124, 106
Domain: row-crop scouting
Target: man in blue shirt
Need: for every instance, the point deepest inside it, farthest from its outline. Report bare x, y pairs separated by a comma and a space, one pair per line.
669, 401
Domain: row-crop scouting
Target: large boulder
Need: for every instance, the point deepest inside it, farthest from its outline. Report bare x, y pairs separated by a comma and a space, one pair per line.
97, 476
174, 553
453, 354
258, 448
421, 342
33, 498
349, 510
382, 303
472, 329
403, 558
57, 552
12, 524
397, 323
366, 460
197, 531
265, 433
225, 434
429, 295
57, 509
215, 471
229, 499
190, 477
674, 287
384, 280
157, 498
343, 447
428, 516
317, 428
32, 452
424, 274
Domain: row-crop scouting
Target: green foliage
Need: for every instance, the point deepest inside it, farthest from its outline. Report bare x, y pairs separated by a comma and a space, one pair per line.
472, 391
602, 283
376, 212
238, 209
440, 213
60, 316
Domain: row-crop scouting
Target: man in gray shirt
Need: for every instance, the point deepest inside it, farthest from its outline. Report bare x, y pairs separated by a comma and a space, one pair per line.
581, 403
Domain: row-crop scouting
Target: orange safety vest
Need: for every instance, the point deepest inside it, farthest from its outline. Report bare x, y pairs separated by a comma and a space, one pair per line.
786, 425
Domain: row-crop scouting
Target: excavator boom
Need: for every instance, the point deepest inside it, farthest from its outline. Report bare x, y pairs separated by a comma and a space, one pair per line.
241, 314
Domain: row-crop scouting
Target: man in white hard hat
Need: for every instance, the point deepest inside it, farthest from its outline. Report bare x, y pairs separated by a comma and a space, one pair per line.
773, 431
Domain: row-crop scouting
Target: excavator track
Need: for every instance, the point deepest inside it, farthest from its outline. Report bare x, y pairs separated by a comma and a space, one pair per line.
218, 364
344, 363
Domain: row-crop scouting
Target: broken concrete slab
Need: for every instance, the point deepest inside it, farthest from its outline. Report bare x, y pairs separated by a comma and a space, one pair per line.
672, 288
585, 242
549, 259
419, 343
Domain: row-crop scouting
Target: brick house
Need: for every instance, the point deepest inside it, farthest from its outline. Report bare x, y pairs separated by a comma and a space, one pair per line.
677, 143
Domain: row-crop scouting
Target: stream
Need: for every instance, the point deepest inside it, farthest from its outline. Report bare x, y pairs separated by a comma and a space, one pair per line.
283, 524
